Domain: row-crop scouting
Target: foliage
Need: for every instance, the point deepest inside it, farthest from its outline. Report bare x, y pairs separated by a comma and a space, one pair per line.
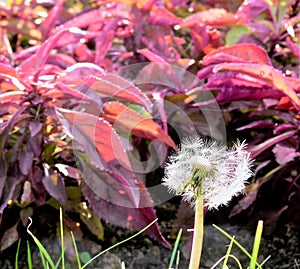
56, 72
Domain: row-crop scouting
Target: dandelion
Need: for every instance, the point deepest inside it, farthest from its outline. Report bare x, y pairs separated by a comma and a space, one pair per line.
207, 174
224, 171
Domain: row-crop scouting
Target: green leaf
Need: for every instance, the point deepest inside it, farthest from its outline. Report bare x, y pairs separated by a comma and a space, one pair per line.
93, 223
85, 257
234, 34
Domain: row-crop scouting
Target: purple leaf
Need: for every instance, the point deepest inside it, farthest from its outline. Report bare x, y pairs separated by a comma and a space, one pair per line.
25, 158
9, 237
263, 72
257, 124
258, 149
55, 186
3, 172
246, 201
127, 217
34, 127
9, 189
250, 9
67, 170
104, 40
61, 60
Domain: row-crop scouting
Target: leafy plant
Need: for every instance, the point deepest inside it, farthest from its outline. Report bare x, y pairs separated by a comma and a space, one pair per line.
45, 105
262, 102
69, 108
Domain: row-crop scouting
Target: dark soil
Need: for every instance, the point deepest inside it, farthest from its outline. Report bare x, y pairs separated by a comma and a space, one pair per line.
283, 244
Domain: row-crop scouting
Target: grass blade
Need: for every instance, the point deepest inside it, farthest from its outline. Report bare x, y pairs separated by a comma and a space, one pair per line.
227, 254
110, 248
175, 249
29, 257
76, 251
62, 239
237, 243
177, 259
17, 255
43, 251
256, 244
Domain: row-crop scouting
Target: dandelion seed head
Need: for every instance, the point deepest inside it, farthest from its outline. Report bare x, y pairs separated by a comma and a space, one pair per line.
224, 171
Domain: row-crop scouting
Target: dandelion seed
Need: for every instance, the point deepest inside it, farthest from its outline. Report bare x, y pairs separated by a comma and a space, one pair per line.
223, 172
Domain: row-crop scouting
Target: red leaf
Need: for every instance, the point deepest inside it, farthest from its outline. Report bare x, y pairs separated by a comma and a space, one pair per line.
264, 72
215, 17
100, 139
114, 86
127, 120
62, 91
96, 132
238, 53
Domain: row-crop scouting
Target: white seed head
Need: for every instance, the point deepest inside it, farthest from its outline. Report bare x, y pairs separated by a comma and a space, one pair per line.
224, 171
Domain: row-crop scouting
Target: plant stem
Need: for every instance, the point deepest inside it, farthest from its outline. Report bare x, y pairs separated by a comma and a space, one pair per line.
198, 232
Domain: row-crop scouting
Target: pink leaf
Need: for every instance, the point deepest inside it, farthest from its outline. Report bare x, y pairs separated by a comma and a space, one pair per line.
160, 15
152, 56
264, 72
215, 17
48, 24
284, 154
94, 16
36, 62
238, 53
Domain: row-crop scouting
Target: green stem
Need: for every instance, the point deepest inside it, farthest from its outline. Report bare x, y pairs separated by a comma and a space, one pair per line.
198, 232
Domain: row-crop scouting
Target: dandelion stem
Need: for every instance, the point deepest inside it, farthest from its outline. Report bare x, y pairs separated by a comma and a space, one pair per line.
198, 232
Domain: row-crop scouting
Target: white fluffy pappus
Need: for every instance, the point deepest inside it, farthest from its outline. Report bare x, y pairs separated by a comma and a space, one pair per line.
224, 171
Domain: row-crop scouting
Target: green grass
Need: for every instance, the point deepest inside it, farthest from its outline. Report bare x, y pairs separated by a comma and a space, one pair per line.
84, 259
255, 249
48, 262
